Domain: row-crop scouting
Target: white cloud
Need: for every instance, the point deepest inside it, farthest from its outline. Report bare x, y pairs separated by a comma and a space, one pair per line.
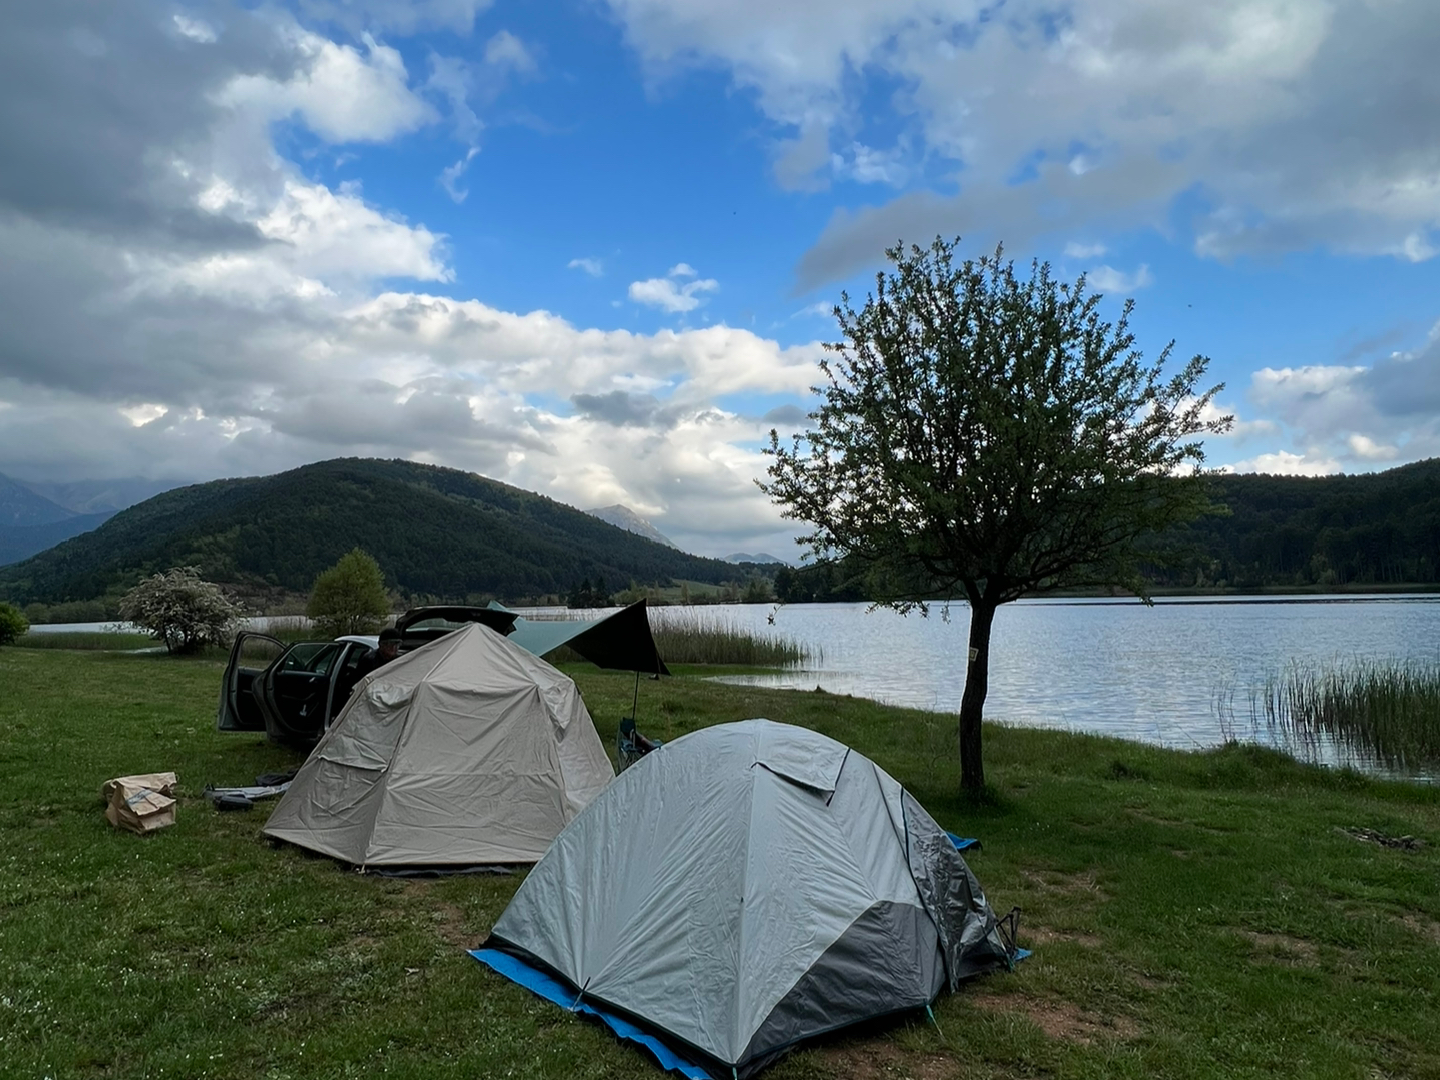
1367, 449
451, 174
820, 309
668, 294
506, 50
342, 95
197, 30
454, 79
1351, 417
1076, 250
593, 267
1107, 279
140, 415
866, 165
1284, 463
1241, 430
1295, 123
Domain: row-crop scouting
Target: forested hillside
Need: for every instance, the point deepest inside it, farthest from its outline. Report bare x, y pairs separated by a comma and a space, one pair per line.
1367, 529
1277, 532
437, 533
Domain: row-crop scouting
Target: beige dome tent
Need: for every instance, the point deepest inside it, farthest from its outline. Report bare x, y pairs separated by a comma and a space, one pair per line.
467, 751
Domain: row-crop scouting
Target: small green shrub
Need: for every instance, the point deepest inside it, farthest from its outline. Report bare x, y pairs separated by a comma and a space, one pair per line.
13, 624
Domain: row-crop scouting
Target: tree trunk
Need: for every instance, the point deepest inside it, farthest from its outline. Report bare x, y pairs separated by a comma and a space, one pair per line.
972, 703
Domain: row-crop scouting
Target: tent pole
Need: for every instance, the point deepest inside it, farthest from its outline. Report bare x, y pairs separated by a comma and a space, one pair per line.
634, 705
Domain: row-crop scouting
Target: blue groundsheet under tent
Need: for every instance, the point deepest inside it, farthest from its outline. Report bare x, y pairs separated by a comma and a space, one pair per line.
564, 995
552, 989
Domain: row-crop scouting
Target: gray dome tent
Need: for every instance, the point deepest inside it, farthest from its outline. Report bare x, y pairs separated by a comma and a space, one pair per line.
467, 751
748, 886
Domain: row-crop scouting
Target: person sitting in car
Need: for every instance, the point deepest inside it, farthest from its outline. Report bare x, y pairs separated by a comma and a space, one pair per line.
382, 654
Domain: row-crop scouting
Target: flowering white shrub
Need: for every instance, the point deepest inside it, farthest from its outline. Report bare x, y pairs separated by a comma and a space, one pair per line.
182, 609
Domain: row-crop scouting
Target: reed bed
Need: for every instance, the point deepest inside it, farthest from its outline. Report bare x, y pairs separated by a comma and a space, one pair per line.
89, 640
1385, 709
686, 636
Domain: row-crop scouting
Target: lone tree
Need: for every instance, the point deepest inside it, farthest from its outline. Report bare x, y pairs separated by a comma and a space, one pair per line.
984, 436
182, 609
349, 598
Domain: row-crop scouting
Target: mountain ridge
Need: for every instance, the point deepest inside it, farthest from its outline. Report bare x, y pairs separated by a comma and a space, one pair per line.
622, 517
21, 506
437, 533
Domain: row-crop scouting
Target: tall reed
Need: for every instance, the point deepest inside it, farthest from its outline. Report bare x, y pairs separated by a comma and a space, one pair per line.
1386, 709
686, 636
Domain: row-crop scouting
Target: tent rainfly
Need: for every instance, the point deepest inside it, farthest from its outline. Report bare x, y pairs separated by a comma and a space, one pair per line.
467, 751
746, 887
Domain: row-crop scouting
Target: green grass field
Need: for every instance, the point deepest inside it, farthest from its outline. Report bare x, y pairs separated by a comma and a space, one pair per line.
1192, 915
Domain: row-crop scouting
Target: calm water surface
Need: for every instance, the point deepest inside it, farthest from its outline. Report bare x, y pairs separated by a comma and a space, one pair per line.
1153, 674
1111, 667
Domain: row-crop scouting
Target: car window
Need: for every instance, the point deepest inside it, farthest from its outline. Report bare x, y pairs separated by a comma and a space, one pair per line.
258, 652
313, 658
435, 624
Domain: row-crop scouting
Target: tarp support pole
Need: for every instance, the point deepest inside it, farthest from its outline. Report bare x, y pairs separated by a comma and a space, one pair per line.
635, 705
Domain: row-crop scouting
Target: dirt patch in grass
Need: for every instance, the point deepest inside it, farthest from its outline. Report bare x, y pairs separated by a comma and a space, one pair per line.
1150, 982
452, 926
1282, 948
1422, 925
450, 921
1056, 883
1059, 1019
875, 1059
1174, 823
1044, 935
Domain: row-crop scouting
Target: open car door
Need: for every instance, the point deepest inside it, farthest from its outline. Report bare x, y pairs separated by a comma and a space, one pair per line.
306, 687
240, 705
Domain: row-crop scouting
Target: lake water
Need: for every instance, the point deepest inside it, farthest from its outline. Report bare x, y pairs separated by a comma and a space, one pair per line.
1151, 674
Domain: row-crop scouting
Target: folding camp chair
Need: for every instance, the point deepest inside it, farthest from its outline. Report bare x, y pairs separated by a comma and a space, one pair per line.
630, 745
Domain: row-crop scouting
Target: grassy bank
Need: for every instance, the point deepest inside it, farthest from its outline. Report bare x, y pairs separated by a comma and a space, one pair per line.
1193, 915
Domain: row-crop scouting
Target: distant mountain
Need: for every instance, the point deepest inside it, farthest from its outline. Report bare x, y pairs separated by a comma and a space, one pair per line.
21, 541
35, 517
622, 517
437, 533
20, 505
741, 556
100, 496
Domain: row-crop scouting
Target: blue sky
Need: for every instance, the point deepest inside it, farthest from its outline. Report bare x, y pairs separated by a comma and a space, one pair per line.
586, 247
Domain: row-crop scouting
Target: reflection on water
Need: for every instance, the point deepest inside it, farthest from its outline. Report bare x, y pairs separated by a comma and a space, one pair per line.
1157, 674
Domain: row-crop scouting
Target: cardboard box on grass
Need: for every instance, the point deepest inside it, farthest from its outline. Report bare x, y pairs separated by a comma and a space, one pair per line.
140, 804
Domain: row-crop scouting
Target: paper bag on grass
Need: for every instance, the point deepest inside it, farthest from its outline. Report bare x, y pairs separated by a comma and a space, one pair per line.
140, 804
